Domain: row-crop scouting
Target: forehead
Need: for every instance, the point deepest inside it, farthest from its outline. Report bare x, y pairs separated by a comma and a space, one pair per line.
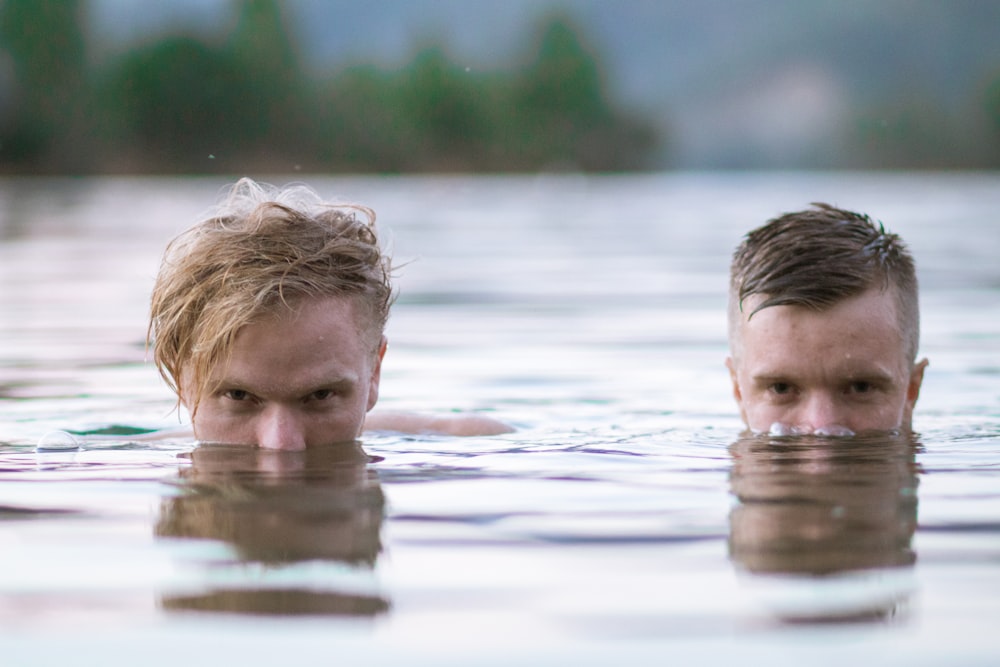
312, 341
857, 332
307, 315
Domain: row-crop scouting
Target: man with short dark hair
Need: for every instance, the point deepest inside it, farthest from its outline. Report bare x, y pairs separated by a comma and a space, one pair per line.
824, 326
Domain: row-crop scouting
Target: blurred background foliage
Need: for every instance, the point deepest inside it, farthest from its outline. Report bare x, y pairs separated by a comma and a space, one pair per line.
184, 103
240, 96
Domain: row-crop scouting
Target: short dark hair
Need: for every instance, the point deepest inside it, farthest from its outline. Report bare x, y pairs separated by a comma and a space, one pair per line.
818, 257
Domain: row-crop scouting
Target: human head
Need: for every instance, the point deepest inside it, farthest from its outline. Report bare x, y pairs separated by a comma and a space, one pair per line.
841, 275
263, 252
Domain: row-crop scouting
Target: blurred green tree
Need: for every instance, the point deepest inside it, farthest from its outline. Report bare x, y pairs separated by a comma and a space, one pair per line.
356, 126
46, 124
444, 111
434, 115
240, 102
992, 105
262, 46
564, 117
181, 103
185, 104
913, 132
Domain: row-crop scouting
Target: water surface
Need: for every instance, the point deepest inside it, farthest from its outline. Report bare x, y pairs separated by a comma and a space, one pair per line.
626, 519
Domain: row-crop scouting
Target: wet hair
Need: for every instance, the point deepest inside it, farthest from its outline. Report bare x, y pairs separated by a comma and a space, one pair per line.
261, 249
818, 257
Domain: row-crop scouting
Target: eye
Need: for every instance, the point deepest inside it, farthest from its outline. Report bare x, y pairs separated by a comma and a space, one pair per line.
781, 388
860, 387
321, 395
237, 394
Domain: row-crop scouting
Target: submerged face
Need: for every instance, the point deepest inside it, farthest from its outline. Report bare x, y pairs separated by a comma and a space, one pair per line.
839, 371
301, 377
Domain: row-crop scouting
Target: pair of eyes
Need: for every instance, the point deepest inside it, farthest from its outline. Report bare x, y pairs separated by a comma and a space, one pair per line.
241, 395
855, 387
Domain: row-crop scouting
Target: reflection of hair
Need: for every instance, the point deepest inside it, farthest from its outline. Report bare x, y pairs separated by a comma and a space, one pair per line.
263, 247
280, 522
279, 602
274, 508
284, 521
818, 257
811, 507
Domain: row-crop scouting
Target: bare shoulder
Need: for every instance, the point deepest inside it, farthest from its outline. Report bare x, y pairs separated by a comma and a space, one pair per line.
458, 425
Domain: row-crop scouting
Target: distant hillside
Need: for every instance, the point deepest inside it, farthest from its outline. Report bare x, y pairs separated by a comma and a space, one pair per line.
767, 83
231, 92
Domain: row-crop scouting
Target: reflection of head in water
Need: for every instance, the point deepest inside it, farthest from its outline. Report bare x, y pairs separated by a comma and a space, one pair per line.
813, 507
278, 507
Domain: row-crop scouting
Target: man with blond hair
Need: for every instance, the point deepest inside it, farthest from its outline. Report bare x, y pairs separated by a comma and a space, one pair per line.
824, 326
268, 319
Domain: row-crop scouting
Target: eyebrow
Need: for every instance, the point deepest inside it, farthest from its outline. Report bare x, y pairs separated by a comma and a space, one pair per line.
336, 383
769, 378
873, 375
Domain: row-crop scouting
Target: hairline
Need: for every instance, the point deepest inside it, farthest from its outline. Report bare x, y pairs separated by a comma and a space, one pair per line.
910, 339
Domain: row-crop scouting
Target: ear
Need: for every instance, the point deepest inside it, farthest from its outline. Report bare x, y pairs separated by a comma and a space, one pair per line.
913, 391
731, 365
916, 379
376, 374
737, 394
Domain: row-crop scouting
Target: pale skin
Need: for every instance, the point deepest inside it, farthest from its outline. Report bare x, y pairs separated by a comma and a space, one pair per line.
839, 371
306, 376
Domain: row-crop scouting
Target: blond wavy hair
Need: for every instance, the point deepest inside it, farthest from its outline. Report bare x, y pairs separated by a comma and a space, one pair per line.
262, 248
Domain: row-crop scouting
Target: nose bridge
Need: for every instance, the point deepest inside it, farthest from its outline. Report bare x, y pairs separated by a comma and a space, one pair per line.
279, 427
821, 410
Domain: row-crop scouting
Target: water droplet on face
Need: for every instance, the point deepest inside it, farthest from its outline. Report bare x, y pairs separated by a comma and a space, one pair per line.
834, 431
779, 429
57, 441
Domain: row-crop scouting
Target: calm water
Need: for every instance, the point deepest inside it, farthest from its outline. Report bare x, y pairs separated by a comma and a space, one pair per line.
626, 520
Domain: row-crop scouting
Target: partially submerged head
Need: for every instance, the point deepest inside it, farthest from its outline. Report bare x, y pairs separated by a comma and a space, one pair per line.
824, 325
253, 268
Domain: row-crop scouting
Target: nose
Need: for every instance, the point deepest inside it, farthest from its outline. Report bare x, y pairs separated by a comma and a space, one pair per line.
822, 415
280, 428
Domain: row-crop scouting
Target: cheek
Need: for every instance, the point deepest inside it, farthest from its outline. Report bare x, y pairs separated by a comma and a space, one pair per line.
344, 422
760, 415
213, 422
208, 425
761, 412
888, 417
